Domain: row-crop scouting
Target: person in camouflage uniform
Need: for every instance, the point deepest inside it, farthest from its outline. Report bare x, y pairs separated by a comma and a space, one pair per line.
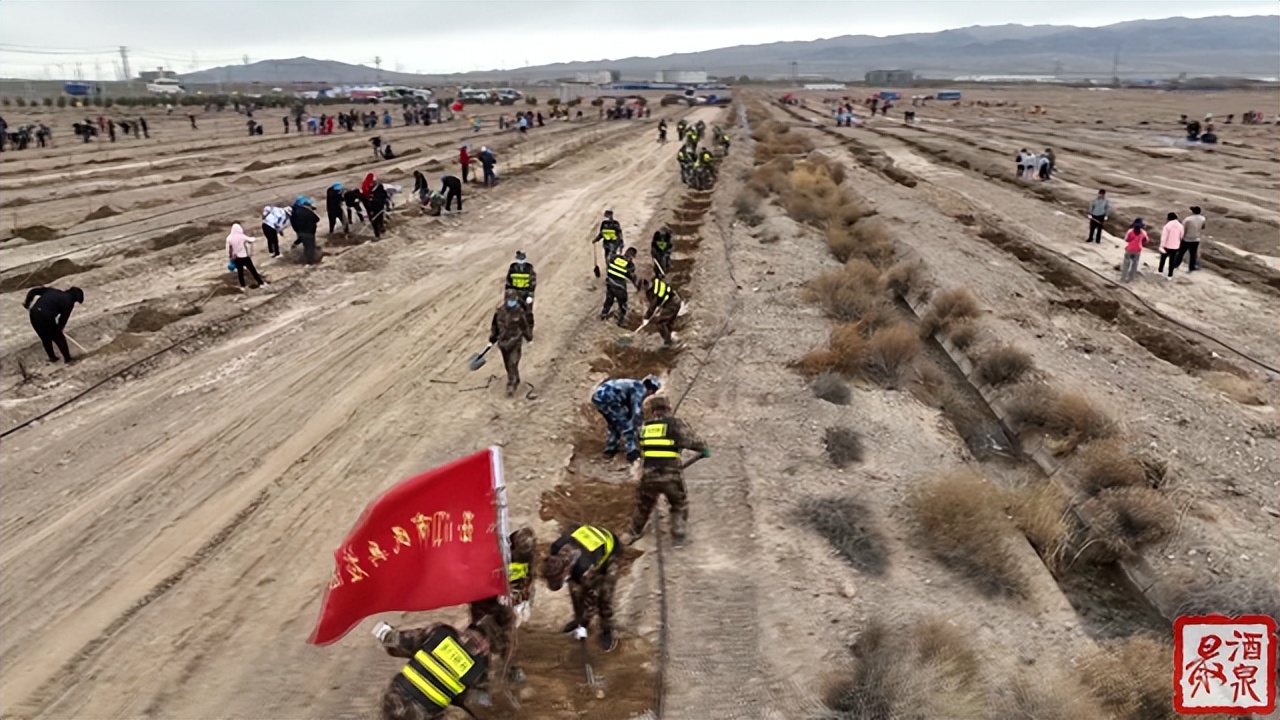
662, 439
510, 329
621, 402
418, 693
523, 279
660, 249
587, 557
664, 307
509, 616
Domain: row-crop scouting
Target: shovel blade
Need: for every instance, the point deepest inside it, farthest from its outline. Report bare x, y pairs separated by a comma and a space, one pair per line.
596, 270
477, 361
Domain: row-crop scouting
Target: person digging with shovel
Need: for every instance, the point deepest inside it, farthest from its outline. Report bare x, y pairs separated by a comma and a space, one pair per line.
445, 664
586, 558
621, 402
664, 307
662, 439
509, 330
49, 316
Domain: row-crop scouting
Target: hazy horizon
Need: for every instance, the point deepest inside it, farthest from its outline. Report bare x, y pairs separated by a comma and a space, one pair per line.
452, 37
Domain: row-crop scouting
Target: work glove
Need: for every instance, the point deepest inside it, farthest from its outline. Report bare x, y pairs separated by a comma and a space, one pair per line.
382, 631
580, 633
523, 611
706, 452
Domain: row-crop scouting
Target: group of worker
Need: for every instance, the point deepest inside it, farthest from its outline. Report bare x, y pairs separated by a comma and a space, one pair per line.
446, 664
697, 166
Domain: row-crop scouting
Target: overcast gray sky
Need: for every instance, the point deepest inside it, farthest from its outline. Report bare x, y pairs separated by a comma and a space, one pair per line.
456, 36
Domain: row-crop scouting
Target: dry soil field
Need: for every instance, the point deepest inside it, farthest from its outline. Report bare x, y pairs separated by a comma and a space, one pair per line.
171, 503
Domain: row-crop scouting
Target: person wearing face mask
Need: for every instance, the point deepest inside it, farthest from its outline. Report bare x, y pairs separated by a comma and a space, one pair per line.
509, 330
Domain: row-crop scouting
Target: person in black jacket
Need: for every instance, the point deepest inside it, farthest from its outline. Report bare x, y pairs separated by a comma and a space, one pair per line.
452, 189
353, 200
49, 317
420, 187
377, 209
333, 205
305, 221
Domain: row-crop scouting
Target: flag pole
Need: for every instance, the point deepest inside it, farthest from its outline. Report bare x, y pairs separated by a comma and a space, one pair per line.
500, 504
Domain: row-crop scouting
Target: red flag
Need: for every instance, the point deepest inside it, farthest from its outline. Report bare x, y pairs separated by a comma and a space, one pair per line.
431, 541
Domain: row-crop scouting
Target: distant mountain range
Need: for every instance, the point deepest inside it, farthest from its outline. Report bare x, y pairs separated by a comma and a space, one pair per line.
1238, 46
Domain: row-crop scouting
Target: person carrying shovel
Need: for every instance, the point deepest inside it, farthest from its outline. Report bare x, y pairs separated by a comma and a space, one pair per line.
622, 269
662, 439
611, 234
509, 330
49, 313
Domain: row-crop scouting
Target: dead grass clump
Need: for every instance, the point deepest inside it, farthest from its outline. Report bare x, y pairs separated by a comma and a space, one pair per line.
850, 528
962, 333
832, 388
747, 207
927, 383
922, 671
890, 352
1003, 365
964, 525
905, 278
1131, 678
876, 241
771, 177
947, 308
847, 294
1108, 465
849, 347
844, 446
817, 362
1127, 519
1041, 696
1068, 420
1041, 512
1156, 470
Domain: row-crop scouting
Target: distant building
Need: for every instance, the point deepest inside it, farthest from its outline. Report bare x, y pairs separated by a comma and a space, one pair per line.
153, 75
896, 78
680, 76
824, 86
599, 77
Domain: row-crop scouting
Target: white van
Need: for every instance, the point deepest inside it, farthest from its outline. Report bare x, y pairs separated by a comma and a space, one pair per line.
165, 86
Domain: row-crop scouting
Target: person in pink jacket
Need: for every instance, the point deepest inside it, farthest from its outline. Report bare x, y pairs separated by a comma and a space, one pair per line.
1134, 241
238, 246
1170, 240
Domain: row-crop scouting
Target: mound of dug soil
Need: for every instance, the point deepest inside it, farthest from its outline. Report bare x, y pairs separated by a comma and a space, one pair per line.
45, 275
150, 319
123, 343
211, 188
105, 211
245, 180
258, 165
34, 233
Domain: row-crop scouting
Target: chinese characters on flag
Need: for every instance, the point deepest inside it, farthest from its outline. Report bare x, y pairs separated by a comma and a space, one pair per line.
429, 542
1224, 665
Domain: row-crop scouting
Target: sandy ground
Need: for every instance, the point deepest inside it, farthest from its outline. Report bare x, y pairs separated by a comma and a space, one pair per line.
173, 529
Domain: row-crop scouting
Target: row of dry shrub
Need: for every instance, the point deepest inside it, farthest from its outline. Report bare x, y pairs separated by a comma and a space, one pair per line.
928, 668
